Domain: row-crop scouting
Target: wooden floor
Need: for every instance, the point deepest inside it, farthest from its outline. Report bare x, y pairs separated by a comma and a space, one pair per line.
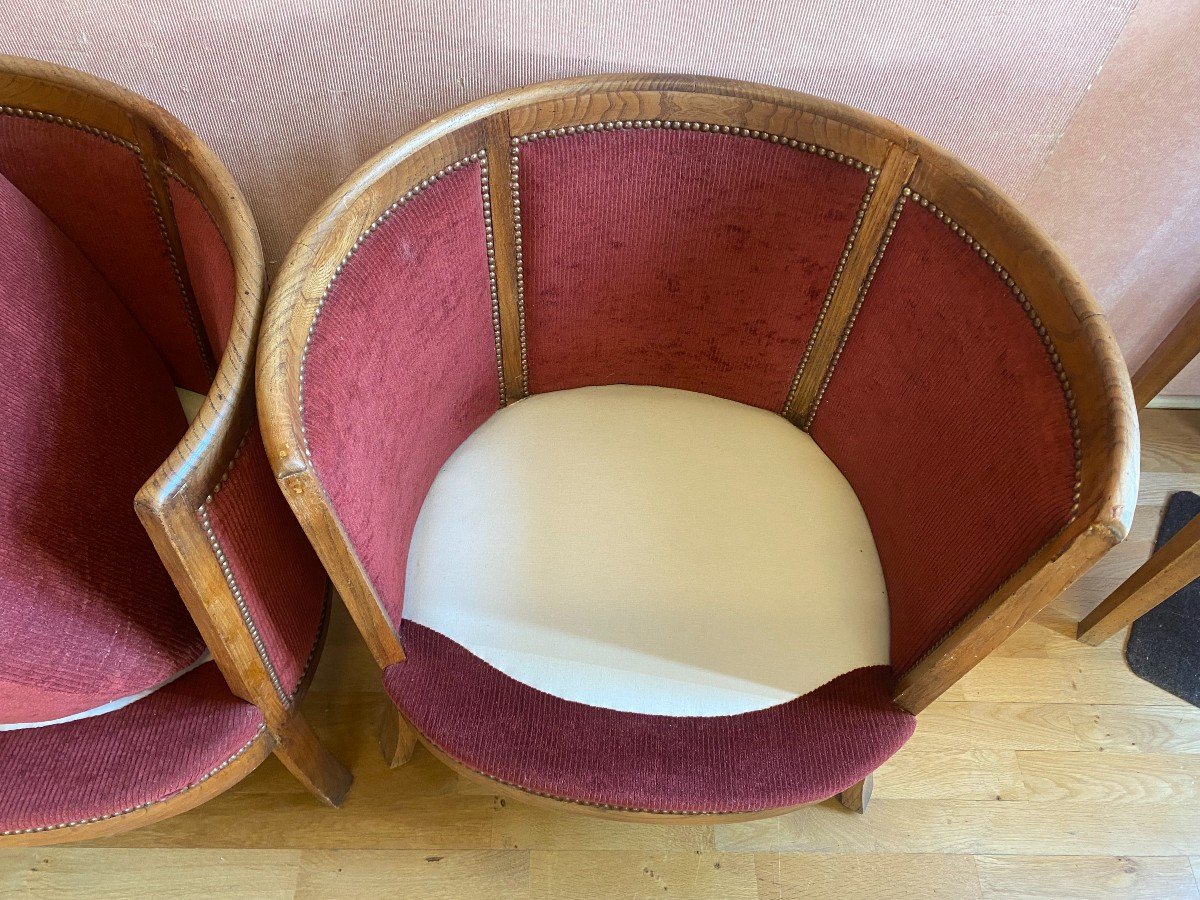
1050, 771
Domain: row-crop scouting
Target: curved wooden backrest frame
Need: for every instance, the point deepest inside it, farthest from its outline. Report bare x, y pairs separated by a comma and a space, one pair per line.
168, 503
905, 168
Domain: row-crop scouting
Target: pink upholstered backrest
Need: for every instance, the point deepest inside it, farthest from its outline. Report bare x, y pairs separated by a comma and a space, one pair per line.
167, 261
678, 258
270, 568
401, 368
947, 415
705, 258
93, 186
686, 259
209, 265
87, 613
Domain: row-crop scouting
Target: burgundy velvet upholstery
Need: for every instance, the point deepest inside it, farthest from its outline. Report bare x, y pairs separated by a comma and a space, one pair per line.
696, 261
277, 572
96, 192
948, 418
401, 369
88, 613
209, 268
797, 752
137, 755
678, 259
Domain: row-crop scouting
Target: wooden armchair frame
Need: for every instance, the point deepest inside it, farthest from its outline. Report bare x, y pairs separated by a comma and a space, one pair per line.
908, 169
170, 503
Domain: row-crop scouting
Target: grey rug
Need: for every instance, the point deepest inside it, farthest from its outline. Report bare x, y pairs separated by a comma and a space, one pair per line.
1164, 644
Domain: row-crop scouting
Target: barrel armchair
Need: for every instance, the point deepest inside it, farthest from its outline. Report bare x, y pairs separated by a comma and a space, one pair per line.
162, 611
675, 441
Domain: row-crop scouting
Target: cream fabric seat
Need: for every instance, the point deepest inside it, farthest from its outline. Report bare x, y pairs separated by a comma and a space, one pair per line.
649, 550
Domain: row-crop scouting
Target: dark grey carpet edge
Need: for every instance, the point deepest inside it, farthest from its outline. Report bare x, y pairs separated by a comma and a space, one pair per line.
1164, 644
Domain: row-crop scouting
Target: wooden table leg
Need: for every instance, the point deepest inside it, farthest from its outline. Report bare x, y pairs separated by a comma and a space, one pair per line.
1172, 567
856, 797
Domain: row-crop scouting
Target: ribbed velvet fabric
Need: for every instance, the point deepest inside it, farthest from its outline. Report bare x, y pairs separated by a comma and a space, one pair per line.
280, 578
89, 411
677, 258
96, 192
797, 752
209, 266
402, 367
946, 415
140, 754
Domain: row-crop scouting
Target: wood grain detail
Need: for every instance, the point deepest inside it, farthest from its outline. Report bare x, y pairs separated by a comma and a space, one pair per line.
171, 502
506, 262
837, 317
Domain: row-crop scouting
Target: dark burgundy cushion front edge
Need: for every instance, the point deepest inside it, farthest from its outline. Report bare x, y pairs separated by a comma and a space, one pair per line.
802, 751
107, 765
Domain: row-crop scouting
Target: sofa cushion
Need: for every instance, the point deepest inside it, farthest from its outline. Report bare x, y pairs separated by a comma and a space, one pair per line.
89, 615
649, 550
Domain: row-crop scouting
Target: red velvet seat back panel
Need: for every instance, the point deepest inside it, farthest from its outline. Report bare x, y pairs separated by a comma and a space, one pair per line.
209, 265
276, 572
96, 192
87, 611
401, 369
947, 416
677, 258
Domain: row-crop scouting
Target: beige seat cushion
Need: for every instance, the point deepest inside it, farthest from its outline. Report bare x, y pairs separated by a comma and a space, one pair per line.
649, 550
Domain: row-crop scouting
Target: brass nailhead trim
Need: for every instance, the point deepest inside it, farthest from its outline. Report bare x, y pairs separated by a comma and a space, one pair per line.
837, 277
312, 655
518, 250
1010, 282
358, 242
190, 309
706, 127
1039, 326
23, 113
123, 812
858, 302
491, 261
677, 125
231, 579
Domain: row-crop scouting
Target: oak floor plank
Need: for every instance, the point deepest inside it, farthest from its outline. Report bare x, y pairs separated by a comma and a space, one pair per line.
1086, 877
951, 726
867, 876
1072, 828
1110, 777
641, 875
953, 775
84, 872
428, 874
520, 826
1086, 679
1145, 729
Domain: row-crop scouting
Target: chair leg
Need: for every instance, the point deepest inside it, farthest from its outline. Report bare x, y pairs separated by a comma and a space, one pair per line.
314, 766
397, 739
856, 797
1174, 566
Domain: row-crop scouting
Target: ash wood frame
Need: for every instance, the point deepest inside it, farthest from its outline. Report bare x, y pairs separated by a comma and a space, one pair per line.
1107, 427
1177, 563
168, 503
